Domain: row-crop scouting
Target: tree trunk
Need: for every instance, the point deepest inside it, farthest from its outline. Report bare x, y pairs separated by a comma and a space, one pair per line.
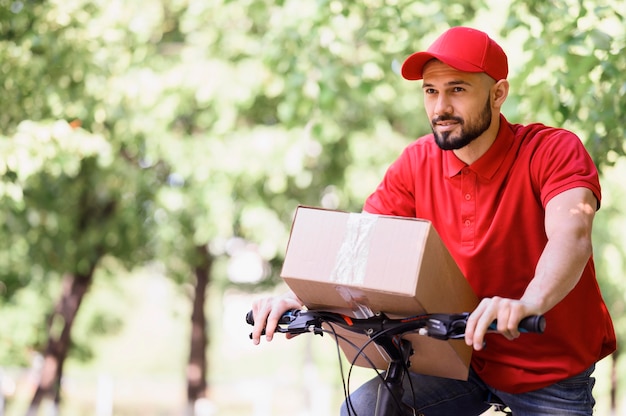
614, 383
59, 339
197, 366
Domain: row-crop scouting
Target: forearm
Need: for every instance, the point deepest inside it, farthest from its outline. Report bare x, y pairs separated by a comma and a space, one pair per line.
558, 271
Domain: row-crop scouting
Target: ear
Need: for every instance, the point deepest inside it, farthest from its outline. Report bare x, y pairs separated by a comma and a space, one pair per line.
499, 92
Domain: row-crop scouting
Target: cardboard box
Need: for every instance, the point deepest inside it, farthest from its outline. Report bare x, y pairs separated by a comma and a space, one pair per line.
359, 263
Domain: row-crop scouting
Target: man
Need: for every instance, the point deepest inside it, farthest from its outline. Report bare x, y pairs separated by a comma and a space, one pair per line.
514, 205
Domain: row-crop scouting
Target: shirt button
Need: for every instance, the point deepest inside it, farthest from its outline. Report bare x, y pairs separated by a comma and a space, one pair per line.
468, 223
468, 197
465, 171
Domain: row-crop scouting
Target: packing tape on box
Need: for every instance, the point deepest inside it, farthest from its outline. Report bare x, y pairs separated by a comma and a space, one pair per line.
351, 262
356, 300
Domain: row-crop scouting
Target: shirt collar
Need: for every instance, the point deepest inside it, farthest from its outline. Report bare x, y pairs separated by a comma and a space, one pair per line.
487, 165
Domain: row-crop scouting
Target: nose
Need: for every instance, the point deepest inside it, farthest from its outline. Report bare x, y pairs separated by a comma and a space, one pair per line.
442, 105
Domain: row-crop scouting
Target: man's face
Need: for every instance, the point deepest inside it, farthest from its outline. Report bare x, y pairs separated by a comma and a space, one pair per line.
457, 103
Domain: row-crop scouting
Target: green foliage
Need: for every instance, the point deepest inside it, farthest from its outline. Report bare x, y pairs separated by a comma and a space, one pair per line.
610, 246
71, 201
43, 70
574, 73
32, 162
22, 319
323, 74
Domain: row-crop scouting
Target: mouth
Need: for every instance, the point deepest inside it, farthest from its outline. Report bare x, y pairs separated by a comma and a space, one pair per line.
446, 122
446, 125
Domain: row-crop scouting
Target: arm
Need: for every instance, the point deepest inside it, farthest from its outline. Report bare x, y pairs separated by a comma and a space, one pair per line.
267, 311
568, 222
569, 218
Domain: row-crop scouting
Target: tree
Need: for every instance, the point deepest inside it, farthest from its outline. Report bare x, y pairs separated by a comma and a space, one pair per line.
74, 198
574, 69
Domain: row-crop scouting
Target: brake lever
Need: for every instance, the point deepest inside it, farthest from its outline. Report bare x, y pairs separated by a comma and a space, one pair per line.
300, 324
446, 326
293, 322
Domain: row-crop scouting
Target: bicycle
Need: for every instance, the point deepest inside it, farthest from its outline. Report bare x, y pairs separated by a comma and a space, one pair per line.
388, 334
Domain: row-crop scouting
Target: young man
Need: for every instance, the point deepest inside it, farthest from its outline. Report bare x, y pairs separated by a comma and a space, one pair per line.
514, 205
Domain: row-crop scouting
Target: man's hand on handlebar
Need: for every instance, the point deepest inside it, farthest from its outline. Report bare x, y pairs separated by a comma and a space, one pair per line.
267, 311
507, 312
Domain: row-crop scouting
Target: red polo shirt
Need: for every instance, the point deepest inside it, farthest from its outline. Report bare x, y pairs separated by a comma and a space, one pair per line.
490, 215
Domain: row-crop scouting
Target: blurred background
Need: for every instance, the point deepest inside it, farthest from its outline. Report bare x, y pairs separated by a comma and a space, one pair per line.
152, 154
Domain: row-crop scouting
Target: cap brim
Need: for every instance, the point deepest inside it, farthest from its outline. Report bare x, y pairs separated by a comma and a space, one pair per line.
413, 67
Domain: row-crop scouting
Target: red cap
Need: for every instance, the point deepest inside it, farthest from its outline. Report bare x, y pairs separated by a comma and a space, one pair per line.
464, 49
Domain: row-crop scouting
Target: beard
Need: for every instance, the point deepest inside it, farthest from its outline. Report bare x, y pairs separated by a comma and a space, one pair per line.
469, 132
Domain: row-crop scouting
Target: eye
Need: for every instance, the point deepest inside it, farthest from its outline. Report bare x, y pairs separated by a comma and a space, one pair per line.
430, 91
458, 89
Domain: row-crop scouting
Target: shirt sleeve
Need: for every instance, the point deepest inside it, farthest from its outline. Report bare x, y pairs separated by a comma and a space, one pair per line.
394, 195
560, 163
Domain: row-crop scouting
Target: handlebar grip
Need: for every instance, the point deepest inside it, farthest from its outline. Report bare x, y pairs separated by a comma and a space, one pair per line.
534, 323
250, 318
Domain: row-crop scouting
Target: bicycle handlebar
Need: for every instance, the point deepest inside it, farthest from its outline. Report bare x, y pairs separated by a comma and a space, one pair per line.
436, 325
385, 331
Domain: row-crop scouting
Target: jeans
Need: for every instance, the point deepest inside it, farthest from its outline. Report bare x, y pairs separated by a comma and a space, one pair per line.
436, 396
